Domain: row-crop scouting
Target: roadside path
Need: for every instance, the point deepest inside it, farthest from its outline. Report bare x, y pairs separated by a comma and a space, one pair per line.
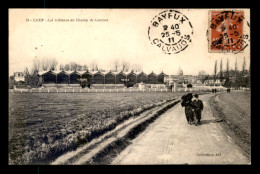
170, 140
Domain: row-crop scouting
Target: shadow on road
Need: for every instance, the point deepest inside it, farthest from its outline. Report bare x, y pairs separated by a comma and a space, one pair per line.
207, 121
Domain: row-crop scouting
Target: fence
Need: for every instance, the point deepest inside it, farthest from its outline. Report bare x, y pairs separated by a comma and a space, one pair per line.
121, 90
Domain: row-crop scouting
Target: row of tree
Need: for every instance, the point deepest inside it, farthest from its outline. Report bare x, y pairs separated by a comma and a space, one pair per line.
44, 65
228, 77
51, 64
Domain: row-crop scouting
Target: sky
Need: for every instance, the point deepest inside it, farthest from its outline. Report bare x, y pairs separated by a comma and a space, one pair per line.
123, 35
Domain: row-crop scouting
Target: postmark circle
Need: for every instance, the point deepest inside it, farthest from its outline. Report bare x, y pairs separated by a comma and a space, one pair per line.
171, 31
226, 32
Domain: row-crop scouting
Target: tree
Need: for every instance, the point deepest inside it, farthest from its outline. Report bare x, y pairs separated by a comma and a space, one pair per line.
201, 73
227, 81
53, 64
73, 66
84, 67
33, 80
125, 65
36, 67
26, 75
137, 67
227, 69
116, 65
221, 78
62, 68
206, 77
94, 66
45, 64
236, 66
243, 67
26, 71
67, 67
215, 70
79, 68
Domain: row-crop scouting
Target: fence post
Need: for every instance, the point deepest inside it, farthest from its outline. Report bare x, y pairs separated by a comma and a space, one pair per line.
48, 90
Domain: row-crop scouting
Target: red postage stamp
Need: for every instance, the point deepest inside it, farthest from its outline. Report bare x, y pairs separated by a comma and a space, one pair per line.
226, 31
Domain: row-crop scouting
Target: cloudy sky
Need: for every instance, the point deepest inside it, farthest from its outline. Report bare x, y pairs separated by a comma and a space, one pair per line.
123, 36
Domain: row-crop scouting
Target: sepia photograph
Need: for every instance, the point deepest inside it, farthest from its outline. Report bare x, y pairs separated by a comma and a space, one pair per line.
129, 86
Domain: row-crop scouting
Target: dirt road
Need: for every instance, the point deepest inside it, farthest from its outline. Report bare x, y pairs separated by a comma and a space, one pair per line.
170, 140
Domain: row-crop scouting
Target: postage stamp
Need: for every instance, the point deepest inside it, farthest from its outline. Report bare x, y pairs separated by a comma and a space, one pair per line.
171, 31
226, 31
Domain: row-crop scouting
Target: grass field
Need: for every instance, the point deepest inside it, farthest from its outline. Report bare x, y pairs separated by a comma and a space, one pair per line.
42, 126
235, 109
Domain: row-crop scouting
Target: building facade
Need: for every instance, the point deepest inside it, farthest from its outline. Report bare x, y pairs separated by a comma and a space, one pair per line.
129, 78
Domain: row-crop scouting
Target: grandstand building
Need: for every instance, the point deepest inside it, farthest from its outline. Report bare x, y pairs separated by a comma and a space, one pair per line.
70, 78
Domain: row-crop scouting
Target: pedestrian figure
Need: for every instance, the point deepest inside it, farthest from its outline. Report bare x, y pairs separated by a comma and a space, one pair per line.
228, 89
186, 101
198, 104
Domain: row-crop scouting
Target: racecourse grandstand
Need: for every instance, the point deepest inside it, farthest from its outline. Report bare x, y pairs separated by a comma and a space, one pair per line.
98, 79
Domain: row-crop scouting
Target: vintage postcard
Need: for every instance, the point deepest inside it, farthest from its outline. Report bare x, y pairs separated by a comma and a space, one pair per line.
129, 86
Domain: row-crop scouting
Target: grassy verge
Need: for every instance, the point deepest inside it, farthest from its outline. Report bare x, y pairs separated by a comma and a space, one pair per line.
234, 109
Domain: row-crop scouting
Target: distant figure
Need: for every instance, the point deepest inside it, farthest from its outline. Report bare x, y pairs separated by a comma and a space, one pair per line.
213, 91
186, 101
198, 109
228, 89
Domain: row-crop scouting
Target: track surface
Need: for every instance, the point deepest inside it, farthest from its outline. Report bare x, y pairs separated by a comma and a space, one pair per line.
170, 140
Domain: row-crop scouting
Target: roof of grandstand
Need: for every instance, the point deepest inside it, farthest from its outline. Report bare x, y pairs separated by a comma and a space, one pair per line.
98, 72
